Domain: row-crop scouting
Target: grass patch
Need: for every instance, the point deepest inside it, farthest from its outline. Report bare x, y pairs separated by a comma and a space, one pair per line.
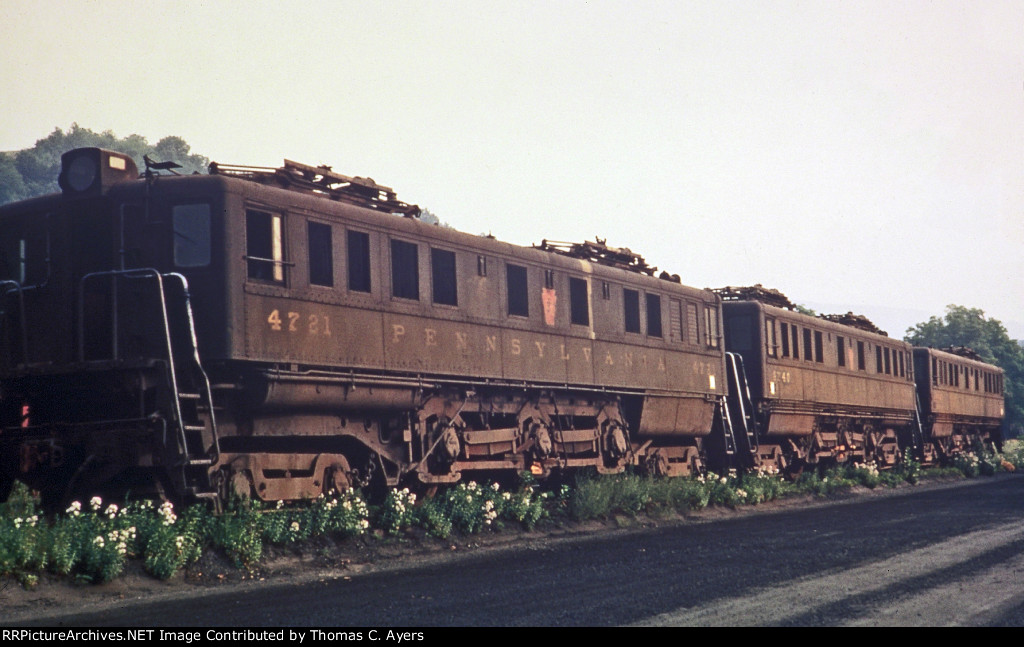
93, 541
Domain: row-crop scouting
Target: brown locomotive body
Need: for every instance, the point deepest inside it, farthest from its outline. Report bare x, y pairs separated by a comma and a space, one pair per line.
961, 400
822, 389
282, 332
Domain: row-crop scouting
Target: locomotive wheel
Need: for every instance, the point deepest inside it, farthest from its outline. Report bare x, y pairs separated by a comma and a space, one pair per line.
445, 445
542, 444
657, 464
616, 443
338, 478
449, 446
239, 485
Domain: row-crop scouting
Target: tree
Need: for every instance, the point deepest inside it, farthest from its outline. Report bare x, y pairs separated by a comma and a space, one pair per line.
988, 337
34, 170
11, 185
428, 217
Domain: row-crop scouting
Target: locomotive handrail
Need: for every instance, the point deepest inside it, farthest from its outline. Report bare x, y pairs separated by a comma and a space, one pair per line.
6, 285
137, 273
142, 273
742, 389
198, 363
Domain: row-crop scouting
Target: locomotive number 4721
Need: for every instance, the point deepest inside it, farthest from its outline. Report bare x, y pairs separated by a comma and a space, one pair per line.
294, 322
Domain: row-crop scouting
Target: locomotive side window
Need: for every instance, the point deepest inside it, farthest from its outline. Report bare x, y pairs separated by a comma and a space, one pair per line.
358, 261
191, 224
771, 342
675, 320
878, 359
321, 255
819, 347
264, 245
784, 335
405, 270
841, 350
903, 370
518, 295
691, 323
888, 362
442, 270
808, 347
654, 315
711, 322
862, 362
24, 255
631, 310
579, 304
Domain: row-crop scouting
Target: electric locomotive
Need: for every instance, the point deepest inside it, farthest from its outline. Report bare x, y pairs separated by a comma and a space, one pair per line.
283, 332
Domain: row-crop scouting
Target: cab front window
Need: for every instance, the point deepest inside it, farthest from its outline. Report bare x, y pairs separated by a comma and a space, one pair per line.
24, 251
191, 223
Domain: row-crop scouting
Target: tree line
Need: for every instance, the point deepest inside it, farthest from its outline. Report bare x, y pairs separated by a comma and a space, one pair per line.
33, 171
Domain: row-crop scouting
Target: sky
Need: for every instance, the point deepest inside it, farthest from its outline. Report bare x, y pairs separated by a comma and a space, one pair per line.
864, 156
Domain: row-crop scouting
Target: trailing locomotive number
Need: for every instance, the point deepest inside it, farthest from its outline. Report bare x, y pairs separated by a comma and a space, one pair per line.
782, 376
294, 322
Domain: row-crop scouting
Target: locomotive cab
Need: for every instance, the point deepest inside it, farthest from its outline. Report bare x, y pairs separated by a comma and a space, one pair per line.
96, 334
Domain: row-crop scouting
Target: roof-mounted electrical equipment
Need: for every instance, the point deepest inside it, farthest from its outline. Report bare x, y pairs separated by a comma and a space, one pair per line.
756, 292
860, 322
600, 253
322, 181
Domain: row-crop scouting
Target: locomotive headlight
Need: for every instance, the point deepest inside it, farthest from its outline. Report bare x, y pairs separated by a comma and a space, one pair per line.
91, 171
81, 173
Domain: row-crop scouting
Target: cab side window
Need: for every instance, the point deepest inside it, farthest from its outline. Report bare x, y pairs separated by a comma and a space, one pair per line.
405, 270
321, 258
264, 245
